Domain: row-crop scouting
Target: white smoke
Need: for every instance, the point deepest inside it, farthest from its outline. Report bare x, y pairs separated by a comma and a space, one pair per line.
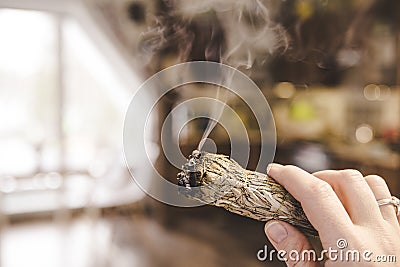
249, 31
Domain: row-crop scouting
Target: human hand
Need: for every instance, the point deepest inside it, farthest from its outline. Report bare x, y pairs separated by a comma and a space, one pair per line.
341, 205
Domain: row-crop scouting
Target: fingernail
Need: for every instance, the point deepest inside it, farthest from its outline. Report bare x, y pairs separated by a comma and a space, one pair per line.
276, 232
273, 165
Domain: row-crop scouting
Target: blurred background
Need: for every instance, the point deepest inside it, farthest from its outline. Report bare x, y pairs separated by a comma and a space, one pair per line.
330, 71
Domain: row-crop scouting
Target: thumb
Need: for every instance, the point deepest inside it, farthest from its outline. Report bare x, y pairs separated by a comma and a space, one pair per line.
284, 236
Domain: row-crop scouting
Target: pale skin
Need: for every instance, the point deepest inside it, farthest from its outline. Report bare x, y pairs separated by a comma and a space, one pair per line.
340, 205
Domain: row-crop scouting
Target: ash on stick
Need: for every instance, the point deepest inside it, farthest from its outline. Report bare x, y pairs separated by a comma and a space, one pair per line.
222, 182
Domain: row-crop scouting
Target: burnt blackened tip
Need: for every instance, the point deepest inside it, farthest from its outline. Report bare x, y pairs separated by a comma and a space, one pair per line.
180, 176
196, 154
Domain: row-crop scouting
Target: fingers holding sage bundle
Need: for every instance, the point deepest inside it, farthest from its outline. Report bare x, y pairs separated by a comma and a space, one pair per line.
366, 199
348, 207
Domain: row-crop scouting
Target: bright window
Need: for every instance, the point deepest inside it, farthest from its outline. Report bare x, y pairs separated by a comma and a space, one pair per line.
61, 113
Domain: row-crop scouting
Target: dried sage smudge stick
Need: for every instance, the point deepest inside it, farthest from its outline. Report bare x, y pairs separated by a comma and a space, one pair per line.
220, 181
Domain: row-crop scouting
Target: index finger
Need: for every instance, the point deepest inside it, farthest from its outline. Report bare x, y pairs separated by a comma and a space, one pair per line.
320, 203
